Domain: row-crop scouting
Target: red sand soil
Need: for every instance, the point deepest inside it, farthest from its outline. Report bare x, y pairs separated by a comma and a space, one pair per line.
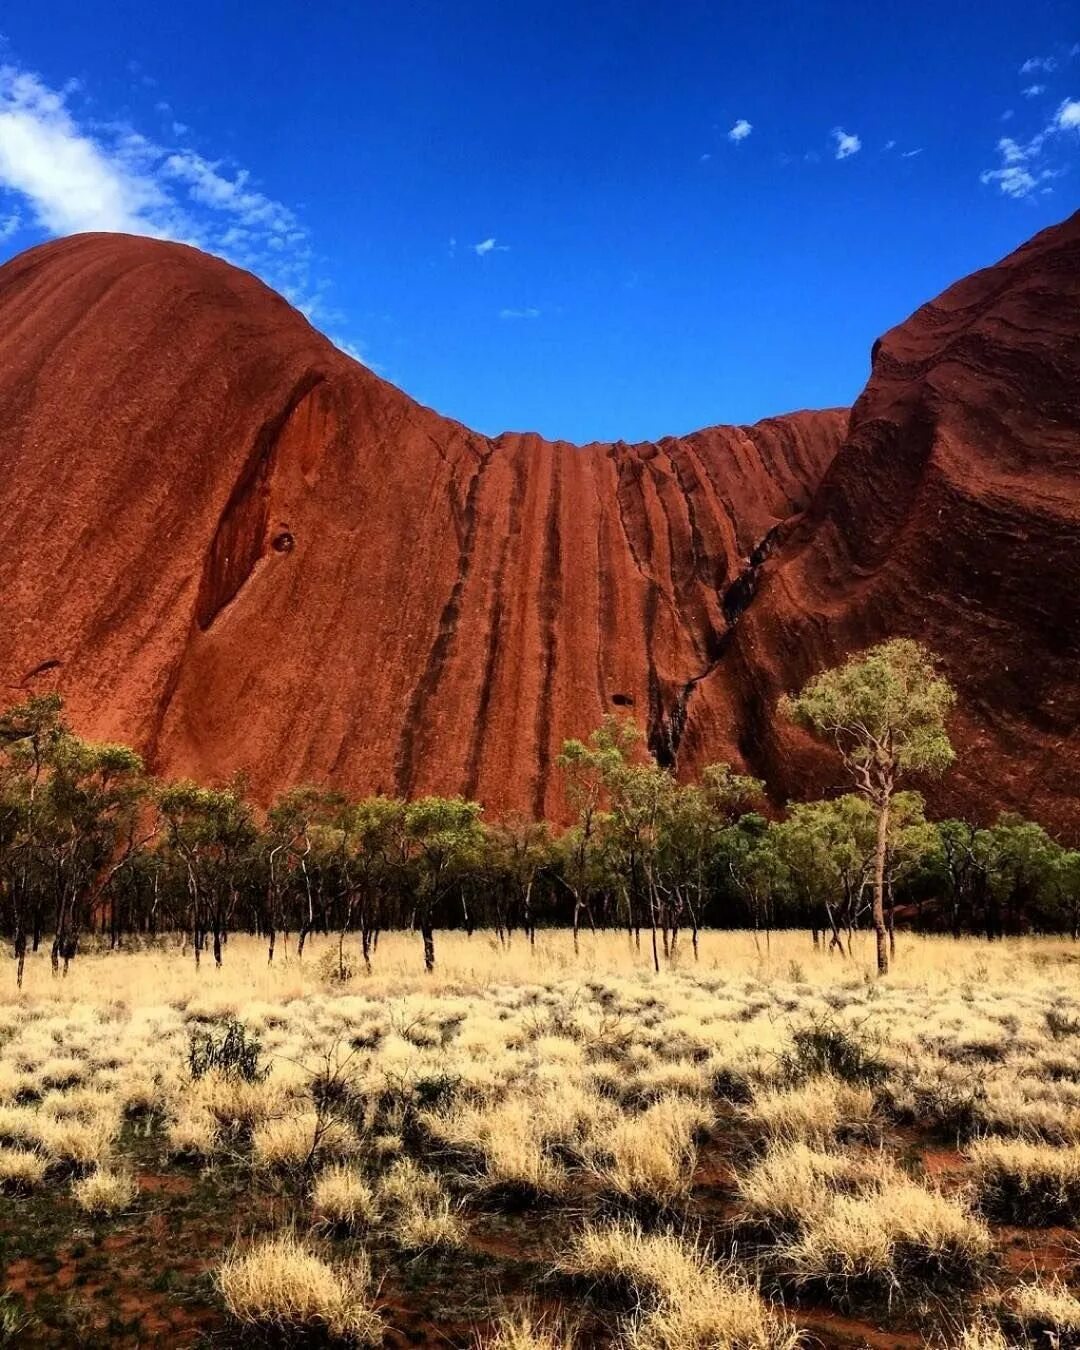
231, 545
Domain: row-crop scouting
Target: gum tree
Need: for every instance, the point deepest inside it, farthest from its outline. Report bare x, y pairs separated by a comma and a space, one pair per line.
884, 712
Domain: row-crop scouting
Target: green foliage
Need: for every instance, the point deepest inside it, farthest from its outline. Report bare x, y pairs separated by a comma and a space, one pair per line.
823, 1046
233, 1052
884, 710
88, 843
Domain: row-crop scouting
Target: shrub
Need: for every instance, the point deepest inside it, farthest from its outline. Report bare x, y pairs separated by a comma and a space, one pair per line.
104, 1192
1026, 1183
233, 1053
825, 1047
279, 1284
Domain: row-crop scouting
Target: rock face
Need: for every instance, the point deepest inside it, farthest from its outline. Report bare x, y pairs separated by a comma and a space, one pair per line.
951, 514
231, 545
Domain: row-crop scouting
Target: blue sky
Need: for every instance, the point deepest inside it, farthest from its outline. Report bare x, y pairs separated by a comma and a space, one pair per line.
591, 218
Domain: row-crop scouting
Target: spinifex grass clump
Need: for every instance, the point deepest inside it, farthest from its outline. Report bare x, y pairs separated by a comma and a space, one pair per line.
281, 1285
1027, 1183
681, 1298
887, 1243
1044, 1312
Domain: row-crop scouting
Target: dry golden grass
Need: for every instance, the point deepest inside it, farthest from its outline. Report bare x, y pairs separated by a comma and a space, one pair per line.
527, 1331
279, 1283
1044, 1311
892, 1237
508, 1138
344, 1200
1027, 1183
530, 1076
684, 1299
983, 1334
21, 1170
301, 1139
104, 1192
651, 1156
816, 1112
794, 1183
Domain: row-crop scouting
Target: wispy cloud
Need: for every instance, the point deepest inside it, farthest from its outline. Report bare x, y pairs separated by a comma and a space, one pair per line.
910, 154
740, 130
1035, 63
847, 143
1024, 168
527, 313
486, 246
1033, 90
63, 171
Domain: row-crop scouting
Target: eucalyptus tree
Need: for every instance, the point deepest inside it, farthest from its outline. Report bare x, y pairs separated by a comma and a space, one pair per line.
29, 733
590, 767
96, 823
211, 831
444, 837
884, 712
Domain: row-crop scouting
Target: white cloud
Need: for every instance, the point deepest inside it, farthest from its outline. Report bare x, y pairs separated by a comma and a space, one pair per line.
1067, 117
1023, 169
910, 154
235, 196
846, 143
1014, 180
740, 130
704, 159
1033, 90
68, 179
71, 173
1034, 63
528, 313
487, 246
1007, 115
10, 224
890, 145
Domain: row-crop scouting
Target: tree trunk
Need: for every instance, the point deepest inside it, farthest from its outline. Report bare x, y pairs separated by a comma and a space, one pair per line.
428, 934
879, 887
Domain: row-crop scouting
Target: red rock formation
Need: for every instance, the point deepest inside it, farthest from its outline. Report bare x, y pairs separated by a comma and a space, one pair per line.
950, 514
231, 545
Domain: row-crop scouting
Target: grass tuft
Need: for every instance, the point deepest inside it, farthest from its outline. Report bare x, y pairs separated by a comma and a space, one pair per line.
281, 1285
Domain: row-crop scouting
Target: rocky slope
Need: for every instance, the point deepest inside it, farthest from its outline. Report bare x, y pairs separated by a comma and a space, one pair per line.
230, 544
952, 514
